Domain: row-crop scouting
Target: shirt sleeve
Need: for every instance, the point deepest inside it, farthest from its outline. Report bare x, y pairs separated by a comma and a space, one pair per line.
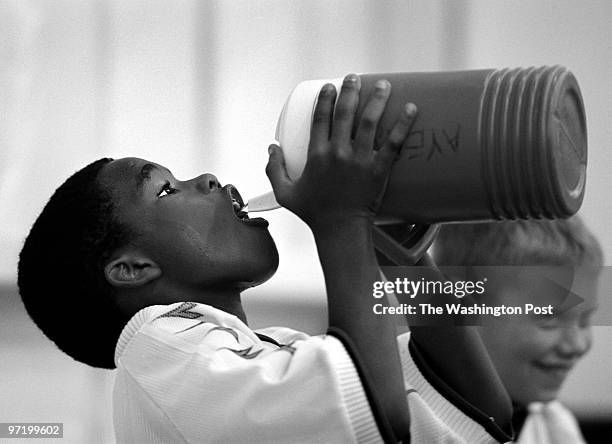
215, 380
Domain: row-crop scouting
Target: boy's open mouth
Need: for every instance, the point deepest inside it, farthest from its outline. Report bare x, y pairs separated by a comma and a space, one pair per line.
238, 207
237, 203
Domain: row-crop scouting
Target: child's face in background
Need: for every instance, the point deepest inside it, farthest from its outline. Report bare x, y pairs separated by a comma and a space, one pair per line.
190, 228
534, 354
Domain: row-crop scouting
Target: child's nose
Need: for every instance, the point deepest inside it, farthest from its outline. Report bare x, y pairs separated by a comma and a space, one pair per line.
576, 341
207, 182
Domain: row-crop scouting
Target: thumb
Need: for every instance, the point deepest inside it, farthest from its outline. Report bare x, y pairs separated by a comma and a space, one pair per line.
277, 173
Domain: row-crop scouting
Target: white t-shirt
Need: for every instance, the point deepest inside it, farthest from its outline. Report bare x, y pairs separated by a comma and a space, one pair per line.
188, 372
550, 423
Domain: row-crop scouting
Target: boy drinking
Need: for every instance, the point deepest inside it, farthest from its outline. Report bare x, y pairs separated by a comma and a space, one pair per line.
129, 267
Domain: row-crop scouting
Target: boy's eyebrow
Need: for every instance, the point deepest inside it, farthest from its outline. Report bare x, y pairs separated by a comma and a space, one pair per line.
145, 174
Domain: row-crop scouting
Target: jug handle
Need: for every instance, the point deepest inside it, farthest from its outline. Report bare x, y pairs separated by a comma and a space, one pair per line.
407, 251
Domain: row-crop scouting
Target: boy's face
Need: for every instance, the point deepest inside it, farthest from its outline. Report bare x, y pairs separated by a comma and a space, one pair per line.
189, 228
534, 354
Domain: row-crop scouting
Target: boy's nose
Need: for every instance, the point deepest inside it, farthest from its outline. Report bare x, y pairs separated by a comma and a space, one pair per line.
576, 341
207, 182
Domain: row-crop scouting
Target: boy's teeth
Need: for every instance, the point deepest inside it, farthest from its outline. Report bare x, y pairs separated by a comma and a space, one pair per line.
238, 209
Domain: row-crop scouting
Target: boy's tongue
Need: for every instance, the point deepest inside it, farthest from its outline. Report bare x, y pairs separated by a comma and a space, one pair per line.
240, 209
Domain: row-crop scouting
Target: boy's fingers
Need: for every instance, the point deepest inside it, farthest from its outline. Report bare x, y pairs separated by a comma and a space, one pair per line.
387, 154
366, 132
277, 173
344, 114
322, 117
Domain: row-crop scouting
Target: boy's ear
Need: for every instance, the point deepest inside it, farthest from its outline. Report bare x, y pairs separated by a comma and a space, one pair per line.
130, 270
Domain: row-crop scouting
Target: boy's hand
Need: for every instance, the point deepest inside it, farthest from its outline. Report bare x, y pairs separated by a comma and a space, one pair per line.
343, 178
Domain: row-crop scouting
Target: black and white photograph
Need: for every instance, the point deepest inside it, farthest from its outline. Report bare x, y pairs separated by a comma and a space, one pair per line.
314, 221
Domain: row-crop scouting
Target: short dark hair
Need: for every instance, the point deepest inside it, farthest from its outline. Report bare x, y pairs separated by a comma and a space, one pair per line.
522, 242
61, 269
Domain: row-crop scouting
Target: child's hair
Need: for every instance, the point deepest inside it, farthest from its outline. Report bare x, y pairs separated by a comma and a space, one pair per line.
522, 242
61, 278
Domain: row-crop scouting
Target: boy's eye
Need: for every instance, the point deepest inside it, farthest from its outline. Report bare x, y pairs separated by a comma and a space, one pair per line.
548, 322
166, 190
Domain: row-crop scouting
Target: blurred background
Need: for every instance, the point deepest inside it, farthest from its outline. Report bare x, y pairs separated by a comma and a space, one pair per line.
197, 86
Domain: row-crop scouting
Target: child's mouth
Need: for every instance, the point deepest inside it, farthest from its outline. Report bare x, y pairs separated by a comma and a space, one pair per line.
239, 208
237, 203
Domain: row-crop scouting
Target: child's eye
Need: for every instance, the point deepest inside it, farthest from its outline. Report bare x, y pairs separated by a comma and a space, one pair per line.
166, 190
548, 322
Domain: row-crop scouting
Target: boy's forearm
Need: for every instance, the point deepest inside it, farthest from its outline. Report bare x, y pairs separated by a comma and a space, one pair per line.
350, 268
336, 195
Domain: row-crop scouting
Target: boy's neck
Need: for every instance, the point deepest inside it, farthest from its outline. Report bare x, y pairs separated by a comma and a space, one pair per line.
231, 305
225, 299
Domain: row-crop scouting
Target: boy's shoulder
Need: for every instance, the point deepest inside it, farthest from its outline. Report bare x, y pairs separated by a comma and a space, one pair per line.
185, 324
